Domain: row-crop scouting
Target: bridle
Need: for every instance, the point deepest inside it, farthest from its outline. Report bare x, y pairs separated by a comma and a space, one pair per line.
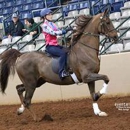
104, 26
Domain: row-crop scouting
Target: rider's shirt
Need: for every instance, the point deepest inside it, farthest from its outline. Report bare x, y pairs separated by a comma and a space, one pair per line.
50, 30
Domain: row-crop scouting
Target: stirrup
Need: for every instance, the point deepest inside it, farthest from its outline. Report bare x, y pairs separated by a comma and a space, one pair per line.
64, 74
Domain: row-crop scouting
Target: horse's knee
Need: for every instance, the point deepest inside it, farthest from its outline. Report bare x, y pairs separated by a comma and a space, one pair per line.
20, 89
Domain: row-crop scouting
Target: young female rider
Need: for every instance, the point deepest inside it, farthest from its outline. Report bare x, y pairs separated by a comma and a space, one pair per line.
50, 30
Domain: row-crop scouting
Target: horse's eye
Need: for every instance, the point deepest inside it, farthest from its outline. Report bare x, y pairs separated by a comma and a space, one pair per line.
108, 23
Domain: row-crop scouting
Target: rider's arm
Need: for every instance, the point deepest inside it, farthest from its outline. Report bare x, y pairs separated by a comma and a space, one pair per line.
49, 30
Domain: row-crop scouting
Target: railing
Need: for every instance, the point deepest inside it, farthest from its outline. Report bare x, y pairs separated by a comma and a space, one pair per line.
27, 34
49, 6
107, 6
56, 1
96, 3
4, 21
60, 7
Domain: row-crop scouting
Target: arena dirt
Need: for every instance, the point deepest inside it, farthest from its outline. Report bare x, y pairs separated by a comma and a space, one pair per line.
69, 115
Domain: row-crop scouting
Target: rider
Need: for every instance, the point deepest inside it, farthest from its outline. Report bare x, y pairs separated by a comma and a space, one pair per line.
50, 30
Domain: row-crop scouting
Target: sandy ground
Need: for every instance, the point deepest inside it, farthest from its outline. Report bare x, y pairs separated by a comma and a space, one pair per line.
70, 115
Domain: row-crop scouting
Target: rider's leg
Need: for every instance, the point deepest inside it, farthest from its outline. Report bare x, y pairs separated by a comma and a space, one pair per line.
59, 52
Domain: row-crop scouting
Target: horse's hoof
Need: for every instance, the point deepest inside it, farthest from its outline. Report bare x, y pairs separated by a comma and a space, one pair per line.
102, 113
20, 111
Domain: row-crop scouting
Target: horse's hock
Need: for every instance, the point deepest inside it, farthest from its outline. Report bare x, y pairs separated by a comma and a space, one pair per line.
116, 66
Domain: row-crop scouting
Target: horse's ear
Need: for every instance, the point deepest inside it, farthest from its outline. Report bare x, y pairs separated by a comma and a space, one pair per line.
106, 12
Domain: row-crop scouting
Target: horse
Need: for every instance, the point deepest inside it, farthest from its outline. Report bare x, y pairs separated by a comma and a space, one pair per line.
35, 68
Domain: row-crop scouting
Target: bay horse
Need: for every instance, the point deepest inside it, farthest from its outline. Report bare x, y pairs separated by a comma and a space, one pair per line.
35, 68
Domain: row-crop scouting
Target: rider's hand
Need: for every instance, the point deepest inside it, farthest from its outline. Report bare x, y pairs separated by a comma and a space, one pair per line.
64, 32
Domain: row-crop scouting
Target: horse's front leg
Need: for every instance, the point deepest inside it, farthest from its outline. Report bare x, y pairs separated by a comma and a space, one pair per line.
20, 89
94, 77
90, 79
95, 97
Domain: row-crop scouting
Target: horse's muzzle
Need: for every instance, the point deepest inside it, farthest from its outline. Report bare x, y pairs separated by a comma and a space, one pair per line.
115, 38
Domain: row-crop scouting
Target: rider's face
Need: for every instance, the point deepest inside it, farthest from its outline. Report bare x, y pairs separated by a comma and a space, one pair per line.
49, 16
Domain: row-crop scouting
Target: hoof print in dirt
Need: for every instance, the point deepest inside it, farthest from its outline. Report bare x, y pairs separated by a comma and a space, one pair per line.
47, 117
24, 122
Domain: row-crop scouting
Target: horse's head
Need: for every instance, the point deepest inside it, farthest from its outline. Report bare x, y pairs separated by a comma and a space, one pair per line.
106, 27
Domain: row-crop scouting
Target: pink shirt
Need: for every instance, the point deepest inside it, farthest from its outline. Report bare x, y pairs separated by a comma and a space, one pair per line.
50, 30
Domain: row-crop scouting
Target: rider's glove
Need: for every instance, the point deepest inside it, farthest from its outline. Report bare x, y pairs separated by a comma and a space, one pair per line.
64, 31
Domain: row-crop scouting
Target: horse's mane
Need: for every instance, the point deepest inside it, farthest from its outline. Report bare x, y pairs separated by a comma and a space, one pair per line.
81, 22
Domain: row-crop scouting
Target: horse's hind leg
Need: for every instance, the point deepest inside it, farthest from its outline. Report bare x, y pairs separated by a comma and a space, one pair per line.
30, 88
27, 101
20, 89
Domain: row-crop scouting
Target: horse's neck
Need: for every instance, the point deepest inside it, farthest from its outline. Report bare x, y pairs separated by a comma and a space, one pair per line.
91, 42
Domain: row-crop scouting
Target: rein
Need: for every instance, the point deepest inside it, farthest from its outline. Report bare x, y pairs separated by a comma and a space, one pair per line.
91, 34
90, 47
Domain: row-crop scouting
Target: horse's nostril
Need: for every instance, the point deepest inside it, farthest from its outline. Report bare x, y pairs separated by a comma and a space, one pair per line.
115, 37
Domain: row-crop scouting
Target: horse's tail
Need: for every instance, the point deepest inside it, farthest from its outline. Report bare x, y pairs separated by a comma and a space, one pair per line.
8, 59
